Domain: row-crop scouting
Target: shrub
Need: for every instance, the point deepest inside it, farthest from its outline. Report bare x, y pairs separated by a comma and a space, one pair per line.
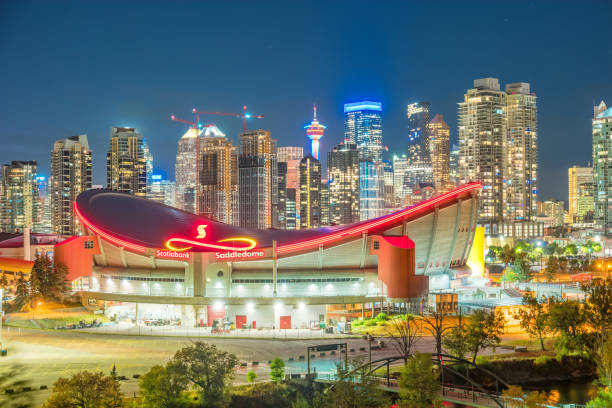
542, 360
382, 317
381, 323
369, 322
357, 323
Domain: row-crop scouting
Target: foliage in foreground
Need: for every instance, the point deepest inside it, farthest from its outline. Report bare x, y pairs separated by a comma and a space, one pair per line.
85, 390
419, 386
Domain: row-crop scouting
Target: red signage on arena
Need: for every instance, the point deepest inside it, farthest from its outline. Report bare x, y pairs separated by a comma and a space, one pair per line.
166, 254
233, 255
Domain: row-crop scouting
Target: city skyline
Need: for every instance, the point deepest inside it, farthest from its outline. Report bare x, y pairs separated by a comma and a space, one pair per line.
96, 97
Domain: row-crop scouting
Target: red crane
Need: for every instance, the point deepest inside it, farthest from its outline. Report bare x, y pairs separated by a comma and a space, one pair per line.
195, 125
244, 115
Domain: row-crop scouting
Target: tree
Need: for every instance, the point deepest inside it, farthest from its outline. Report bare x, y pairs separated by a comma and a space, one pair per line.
533, 318
403, 331
277, 369
521, 267
567, 318
602, 400
418, 384
536, 399
113, 372
598, 308
484, 329
22, 293
251, 376
570, 250
85, 390
46, 281
604, 362
435, 324
551, 249
552, 268
359, 390
3, 281
513, 396
456, 341
161, 389
207, 368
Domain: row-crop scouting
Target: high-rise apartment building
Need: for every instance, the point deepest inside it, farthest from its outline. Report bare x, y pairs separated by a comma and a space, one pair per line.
371, 189
602, 167
44, 206
419, 157
324, 201
126, 163
217, 186
257, 180
439, 147
343, 183
19, 200
310, 193
400, 188
454, 165
389, 196
162, 190
579, 195
292, 156
482, 135
520, 173
71, 174
186, 170
281, 177
552, 209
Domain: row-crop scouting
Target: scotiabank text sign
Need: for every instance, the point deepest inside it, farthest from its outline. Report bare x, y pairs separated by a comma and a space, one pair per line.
167, 254
241, 255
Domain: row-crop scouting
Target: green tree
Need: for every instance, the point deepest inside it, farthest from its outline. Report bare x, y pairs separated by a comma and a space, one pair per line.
22, 293
533, 318
208, 369
552, 268
161, 389
277, 369
598, 308
300, 402
418, 385
521, 267
251, 376
484, 329
551, 249
455, 342
570, 250
46, 281
352, 391
567, 318
85, 390
602, 400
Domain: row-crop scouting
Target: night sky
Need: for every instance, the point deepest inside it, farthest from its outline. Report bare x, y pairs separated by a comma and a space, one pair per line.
84, 66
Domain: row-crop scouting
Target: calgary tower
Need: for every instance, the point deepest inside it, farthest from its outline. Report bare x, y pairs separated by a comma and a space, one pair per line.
315, 131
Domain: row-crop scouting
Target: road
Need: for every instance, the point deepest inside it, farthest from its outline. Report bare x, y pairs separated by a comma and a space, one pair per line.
46, 355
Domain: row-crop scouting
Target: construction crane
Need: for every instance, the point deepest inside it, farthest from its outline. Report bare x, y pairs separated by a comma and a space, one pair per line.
244, 115
195, 125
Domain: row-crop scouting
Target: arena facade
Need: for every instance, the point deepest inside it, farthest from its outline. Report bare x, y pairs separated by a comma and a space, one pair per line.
138, 259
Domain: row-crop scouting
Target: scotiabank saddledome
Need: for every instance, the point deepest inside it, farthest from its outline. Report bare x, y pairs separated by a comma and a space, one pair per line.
143, 257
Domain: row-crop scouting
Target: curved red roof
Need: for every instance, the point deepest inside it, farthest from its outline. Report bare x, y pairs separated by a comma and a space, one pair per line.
138, 224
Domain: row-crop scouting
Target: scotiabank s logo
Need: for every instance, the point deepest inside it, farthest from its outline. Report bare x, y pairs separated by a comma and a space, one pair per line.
221, 256
181, 244
165, 254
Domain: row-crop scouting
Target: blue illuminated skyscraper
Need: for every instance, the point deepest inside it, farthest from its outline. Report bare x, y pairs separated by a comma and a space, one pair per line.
363, 125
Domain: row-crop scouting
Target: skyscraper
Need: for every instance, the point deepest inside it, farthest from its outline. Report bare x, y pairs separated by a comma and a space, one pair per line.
291, 155
19, 201
217, 186
257, 180
482, 135
44, 206
389, 196
162, 190
324, 201
343, 181
520, 173
70, 176
315, 131
454, 165
363, 126
439, 147
400, 188
419, 158
602, 167
126, 164
310, 193
186, 170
